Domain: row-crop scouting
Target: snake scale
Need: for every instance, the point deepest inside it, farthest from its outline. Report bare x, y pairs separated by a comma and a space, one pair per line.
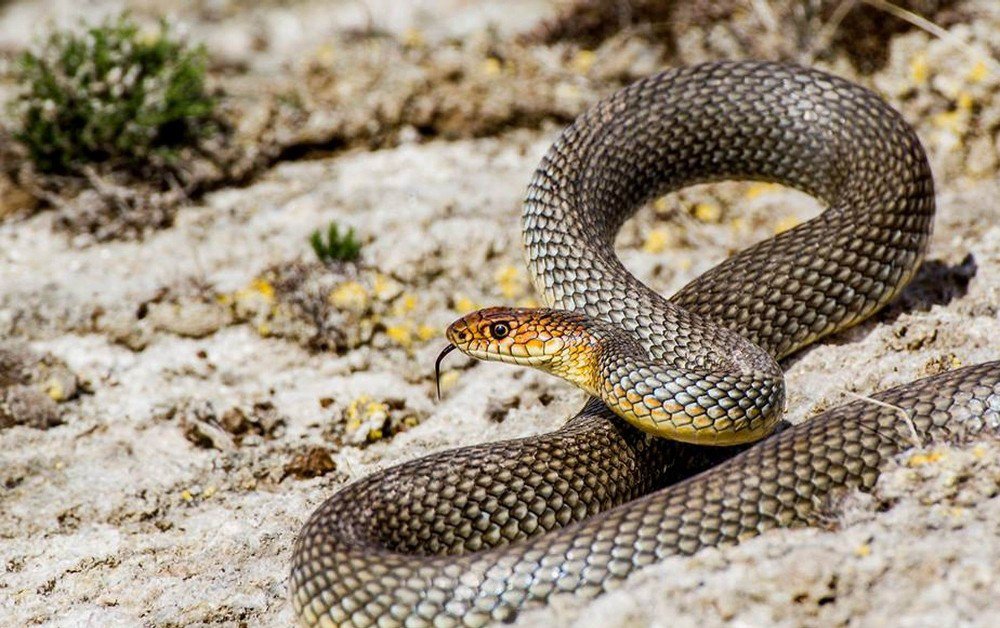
478, 534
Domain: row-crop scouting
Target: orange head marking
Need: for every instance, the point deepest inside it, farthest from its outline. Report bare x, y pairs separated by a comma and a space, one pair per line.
554, 341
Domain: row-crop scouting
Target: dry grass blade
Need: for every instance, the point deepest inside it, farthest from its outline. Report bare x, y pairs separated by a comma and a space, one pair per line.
919, 444
930, 27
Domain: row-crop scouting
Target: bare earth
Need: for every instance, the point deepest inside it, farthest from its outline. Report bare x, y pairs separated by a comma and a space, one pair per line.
182, 392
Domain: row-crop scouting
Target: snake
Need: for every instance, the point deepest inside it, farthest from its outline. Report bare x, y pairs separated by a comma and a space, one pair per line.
678, 447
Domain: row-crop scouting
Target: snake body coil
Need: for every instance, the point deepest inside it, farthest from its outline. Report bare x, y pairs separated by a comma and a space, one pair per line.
477, 534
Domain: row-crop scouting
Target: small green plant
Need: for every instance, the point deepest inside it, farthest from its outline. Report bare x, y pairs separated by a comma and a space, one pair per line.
337, 247
111, 93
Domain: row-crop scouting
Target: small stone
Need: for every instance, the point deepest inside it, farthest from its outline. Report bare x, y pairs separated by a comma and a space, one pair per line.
27, 406
313, 463
189, 318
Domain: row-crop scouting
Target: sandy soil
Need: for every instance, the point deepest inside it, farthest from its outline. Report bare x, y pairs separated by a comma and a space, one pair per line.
183, 387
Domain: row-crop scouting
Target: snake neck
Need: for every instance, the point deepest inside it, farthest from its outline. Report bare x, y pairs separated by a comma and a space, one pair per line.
726, 401
581, 344
693, 405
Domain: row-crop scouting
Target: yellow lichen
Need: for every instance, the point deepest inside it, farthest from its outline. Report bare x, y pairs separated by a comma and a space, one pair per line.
258, 289
411, 421
954, 123
758, 188
863, 550
414, 38
656, 240
583, 61
707, 212
405, 304
978, 72
354, 411
263, 287
464, 305
384, 287
349, 295
448, 379
325, 54
400, 334
508, 279
507, 273
922, 458
365, 410
425, 332
510, 290
54, 389
786, 223
661, 205
492, 66
949, 120
919, 69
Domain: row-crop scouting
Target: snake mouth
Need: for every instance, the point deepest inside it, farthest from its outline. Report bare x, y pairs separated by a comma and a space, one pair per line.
486, 356
507, 358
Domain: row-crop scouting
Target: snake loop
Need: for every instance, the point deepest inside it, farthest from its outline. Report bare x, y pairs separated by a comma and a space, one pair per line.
478, 534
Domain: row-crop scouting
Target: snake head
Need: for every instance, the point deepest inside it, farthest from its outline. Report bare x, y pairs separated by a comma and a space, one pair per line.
555, 341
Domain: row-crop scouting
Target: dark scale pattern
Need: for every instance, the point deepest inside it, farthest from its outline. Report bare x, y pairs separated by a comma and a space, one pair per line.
762, 121
477, 534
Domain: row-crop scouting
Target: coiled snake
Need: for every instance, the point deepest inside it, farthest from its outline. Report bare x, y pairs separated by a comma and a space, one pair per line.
477, 534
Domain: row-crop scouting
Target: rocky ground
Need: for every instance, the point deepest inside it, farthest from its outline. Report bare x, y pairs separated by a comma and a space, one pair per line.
179, 393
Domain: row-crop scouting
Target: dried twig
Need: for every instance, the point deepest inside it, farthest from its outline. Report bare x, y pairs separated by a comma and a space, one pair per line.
917, 442
930, 27
825, 36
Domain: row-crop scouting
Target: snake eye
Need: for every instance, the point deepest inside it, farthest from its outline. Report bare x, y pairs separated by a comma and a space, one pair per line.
499, 330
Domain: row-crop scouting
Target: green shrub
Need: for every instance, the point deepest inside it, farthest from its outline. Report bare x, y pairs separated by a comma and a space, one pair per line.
111, 94
337, 246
